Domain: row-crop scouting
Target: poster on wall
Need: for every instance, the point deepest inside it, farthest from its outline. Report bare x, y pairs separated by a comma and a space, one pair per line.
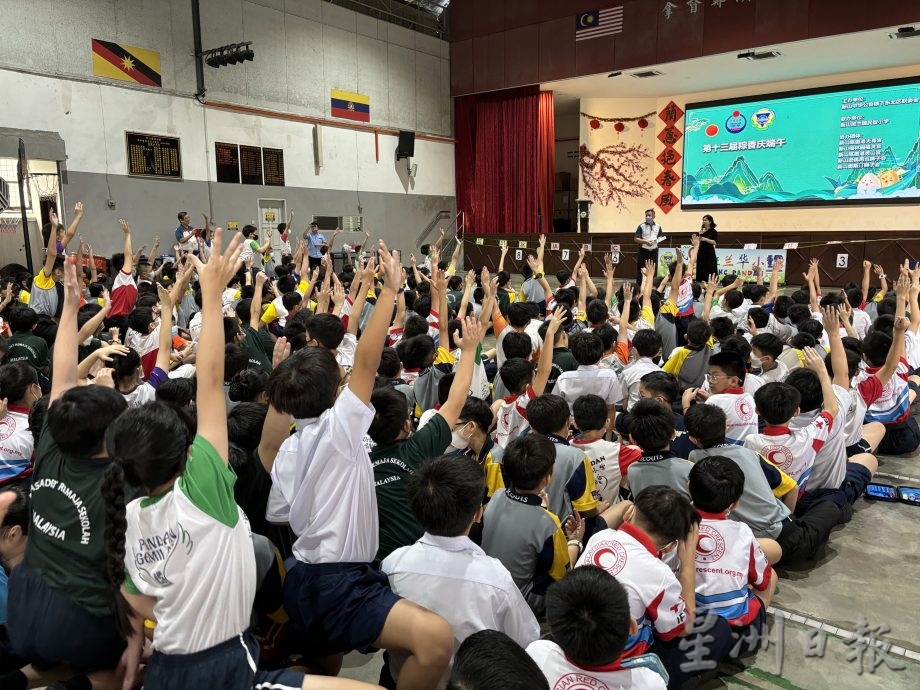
855, 144
735, 261
227, 160
152, 155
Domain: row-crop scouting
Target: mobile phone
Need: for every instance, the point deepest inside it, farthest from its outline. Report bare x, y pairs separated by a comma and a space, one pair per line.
909, 494
882, 492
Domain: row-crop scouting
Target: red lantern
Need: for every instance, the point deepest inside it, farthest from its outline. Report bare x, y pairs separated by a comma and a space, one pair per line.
643, 123
594, 124
619, 127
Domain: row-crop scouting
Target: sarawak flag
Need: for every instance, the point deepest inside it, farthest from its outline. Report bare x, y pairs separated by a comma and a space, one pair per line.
351, 106
126, 63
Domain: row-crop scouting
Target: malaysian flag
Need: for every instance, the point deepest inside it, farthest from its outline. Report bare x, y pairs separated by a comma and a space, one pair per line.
599, 23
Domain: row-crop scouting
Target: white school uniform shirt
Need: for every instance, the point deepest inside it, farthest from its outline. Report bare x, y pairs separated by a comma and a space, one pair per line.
729, 563
861, 323
629, 379
455, 579
345, 354
777, 373
323, 485
864, 393
831, 460
740, 412
752, 383
16, 442
562, 674
589, 378
511, 420
654, 591
793, 450
499, 352
609, 460
912, 348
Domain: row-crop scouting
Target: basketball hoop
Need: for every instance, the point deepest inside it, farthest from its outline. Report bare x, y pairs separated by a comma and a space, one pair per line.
46, 184
9, 225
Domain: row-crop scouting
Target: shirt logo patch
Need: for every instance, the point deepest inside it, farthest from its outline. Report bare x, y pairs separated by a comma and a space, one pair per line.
778, 455
7, 428
609, 555
579, 681
154, 553
710, 546
744, 410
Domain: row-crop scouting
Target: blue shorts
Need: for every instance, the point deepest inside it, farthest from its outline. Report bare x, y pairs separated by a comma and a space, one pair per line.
859, 448
230, 665
337, 607
900, 438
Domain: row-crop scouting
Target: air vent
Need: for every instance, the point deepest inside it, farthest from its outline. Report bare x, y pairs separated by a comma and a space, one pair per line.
905, 32
766, 55
647, 74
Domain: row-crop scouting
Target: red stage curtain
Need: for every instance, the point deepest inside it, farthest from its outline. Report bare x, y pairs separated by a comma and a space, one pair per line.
504, 160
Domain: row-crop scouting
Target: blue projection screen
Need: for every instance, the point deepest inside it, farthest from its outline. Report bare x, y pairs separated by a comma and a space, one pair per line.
857, 144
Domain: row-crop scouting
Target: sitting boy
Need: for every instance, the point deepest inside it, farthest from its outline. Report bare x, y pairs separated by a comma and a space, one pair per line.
517, 530
651, 428
490, 659
690, 363
794, 450
590, 623
444, 567
726, 380
609, 459
646, 345
663, 387
588, 348
767, 348
730, 564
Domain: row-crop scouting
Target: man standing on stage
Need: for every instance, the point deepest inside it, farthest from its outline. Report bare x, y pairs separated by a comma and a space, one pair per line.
648, 235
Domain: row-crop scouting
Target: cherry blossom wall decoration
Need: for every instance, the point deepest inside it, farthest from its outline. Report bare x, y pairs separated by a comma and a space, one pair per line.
615, 173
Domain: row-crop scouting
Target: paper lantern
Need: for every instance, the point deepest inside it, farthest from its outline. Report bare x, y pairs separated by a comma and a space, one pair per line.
643, 123
594, 124
619, 127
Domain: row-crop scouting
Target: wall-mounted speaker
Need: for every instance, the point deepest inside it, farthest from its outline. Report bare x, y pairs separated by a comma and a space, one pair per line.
406, 146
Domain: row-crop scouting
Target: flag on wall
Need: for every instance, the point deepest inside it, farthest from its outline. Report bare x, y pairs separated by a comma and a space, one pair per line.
351, 106
126, 63
598, 23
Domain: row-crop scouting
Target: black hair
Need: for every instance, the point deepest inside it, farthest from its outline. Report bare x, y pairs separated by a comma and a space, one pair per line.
722, 327
889, 305
808, 386
527, 461
236, 359
734, 299
875, 347
854, 357
46, 329
231, 329
180, 214
390, 414
445, 493
15, 380
802, 340
517, 373
248, 385
305, 384
882, 324
731, 364
286, 284
327, 330
587, 347
244, 310
244, 425
661, 383
37, 416
415, 325
444, 385
589, 411
563, 275
698, 333
548, 414
781, 306
18, 513
608, 335
706, 423
544, 327
801, 296
22, 319
715, 483
588, 616
647, 342
416, 352
665, 513
566, 296
597, 312
179, 392
477, 411
799, 313
425, 249
777, 402
516, 344
79, 418
249, 230
490, 659
768, 344
651, 425
519, 314
854, 297
757, 293
759, 316
389, 364
832, 299
423, 303
812, 327
739, 345
140, 319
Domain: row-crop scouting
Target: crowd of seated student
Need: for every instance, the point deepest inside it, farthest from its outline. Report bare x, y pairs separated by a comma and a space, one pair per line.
215, 475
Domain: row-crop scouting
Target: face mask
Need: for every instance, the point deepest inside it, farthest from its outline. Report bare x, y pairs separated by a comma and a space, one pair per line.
458, 441
649, 219
756, 362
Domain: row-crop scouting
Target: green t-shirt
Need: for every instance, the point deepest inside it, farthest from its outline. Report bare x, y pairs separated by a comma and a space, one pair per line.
26, 347
393, 463
259, 346
563, 360
66, 538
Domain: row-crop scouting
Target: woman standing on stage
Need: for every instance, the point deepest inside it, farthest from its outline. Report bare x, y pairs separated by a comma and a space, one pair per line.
706, 263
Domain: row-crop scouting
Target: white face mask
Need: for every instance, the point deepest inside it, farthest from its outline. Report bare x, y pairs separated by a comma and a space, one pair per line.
458, 441
756, 362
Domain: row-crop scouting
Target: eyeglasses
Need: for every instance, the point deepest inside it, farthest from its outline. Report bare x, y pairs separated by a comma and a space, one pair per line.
715, 376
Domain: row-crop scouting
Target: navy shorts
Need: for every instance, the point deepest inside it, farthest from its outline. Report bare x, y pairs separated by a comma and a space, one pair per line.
338, 607
859, 448
900, 438
230, 665
41, 625
855, 482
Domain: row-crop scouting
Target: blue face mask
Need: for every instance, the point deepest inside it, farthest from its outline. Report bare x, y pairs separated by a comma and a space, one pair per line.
649, 219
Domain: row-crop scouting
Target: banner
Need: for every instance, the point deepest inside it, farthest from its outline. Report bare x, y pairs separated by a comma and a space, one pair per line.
731, 262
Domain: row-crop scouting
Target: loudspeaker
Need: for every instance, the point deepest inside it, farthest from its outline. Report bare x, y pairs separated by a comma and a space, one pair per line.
584, 214
406, 146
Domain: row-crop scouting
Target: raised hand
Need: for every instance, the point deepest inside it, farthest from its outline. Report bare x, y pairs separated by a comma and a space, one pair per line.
831, 318
72, 289
281, 351
222, 264
814, 361
389, 266
53, 218
901, 324
261, 278
78, 208
166, 301
628, 292
125, 228
471, 335
105, 353
879, 271
556, 321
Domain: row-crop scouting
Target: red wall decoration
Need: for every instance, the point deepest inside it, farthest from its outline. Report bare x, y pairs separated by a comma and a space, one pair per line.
670, 135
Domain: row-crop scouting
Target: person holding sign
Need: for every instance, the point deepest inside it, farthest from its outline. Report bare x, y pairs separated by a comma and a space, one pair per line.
648, 235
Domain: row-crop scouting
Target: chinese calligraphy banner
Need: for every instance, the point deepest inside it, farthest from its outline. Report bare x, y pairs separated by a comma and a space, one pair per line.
856, 144
731, 262
667, 179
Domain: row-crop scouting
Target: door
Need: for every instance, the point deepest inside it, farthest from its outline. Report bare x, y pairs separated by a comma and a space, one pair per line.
272, 212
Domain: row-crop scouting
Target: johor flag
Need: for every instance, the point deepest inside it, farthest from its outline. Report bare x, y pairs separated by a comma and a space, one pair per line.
599, 23
351, 106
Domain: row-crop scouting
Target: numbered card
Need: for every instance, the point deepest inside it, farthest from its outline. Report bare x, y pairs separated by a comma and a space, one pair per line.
752, 245
554, 246
791, 245
503, 243
565, 254
586, 247
522, 244
615, 257
518, 254
843, 260
480, 240
614, 248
